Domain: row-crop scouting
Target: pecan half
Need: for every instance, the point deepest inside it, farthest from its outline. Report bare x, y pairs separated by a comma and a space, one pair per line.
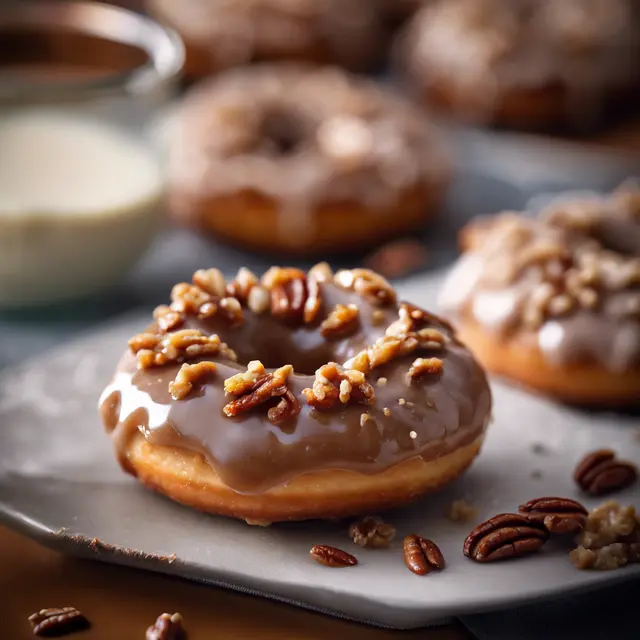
559, 515
334, 384
287, 408
341, 322
332, 556
507, 535
424, 367
288, 290
188, 376
422, 555
372, 531
167, 627
270, 385
57, 621
601, 472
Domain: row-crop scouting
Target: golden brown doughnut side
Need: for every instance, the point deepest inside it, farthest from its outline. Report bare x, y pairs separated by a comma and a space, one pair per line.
187, 478
523, 362
248, 220
224, 381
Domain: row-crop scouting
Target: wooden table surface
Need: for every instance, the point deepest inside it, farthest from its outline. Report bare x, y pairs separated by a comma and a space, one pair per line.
121, 603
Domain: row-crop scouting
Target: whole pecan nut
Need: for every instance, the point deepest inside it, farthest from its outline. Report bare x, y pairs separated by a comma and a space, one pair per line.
167, 627
507, 535
422, 555
600, 472
57, 621
559, 515
332, 556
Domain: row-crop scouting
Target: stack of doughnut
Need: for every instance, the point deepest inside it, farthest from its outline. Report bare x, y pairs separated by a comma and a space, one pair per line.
553, 302
296, 159
528, 64
295, 396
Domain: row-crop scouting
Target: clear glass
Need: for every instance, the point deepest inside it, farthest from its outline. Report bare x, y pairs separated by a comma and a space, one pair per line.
81, 179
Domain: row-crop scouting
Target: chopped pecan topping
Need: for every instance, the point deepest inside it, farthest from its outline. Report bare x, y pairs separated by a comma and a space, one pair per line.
167, 319
188, 298
156, 350
167, 627
341, 322
507, 535
559, 515
314, 298
57, 621
334, 384
422, 555
267, 386
320, 272
366, 283
424, 367
601, 472
259, 300
232, 310
210, 281
288, 290
610, 539
242, 382
332, 556
372, 531
242, 285
188, 376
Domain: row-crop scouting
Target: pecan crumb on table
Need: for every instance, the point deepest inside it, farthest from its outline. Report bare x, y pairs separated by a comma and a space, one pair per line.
461, 511
372, 531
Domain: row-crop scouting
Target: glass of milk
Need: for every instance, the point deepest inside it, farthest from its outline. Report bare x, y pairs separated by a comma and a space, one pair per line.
81, 183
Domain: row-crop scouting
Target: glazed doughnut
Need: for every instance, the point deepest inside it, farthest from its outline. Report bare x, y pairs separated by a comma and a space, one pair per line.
219, 34
553, 302
286, 158
217, 405
526, 64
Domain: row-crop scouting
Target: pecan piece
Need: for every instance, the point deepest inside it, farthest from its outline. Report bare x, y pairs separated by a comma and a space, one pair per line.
559, 515
341, 322
57, 621
423, 367
287, 408
210, 281
601, 472
372, 531
368, 284
268, 386
188, 376
422, 555
506, 535
242, 285
167, 627
332, 556
334, 384
317, 274
288, 290
167, 319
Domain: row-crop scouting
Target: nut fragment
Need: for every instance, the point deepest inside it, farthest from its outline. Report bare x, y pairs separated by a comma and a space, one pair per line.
422, 555
232, 310
369, 285
506, 535
211, 281
188, 376
610, 539
241, 382
559, 515
334, 384
601, 472
423, 367
270, 385
332, 556
461, 511
288, 290
241, 287
259, 300
167, 319
156, 350
57, 621
372, 531
317, 274
341, 322
167, 627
